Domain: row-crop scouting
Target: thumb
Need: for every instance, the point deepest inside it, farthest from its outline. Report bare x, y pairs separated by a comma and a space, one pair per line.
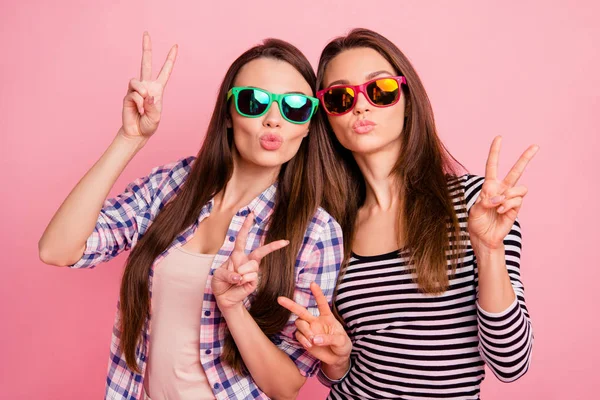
151, 110
490, 202
336, 340
225, 275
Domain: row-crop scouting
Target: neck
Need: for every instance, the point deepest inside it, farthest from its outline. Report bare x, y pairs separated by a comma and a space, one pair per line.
382, 188
247, 181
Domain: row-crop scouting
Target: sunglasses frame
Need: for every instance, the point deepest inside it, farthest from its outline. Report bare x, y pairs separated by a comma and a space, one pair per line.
234, 91
361, 89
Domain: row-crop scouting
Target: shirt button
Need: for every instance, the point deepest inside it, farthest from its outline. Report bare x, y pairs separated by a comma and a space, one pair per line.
208, 351
231, 239
207, 313
244, 213
216, 386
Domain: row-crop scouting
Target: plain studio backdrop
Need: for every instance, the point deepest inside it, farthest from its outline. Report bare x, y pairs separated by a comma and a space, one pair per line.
527, 70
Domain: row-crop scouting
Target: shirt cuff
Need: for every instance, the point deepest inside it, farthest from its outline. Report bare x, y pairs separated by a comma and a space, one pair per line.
90, 256
327, 381
501, 314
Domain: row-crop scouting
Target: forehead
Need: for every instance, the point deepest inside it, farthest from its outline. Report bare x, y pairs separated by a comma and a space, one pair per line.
273, 75
355, 65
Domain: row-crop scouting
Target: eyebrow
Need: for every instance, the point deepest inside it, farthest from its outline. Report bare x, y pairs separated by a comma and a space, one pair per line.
368, 78
304, 94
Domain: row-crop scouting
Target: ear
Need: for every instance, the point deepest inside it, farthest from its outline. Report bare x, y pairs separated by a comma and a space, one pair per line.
306, 133
228, 121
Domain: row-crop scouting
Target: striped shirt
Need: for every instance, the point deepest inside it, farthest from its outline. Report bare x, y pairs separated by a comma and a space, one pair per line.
125, 218
409, 345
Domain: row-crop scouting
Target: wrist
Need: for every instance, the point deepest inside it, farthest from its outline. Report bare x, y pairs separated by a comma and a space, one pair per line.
341, 364
483, 246
231, 310
132, 143
336, 370
484, 250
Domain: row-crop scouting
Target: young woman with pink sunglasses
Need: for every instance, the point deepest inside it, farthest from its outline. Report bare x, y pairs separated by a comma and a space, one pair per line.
430, 289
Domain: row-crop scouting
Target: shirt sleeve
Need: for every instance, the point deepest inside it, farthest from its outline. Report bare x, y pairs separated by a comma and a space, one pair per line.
327, 381
124, 218
505, 338
323, 268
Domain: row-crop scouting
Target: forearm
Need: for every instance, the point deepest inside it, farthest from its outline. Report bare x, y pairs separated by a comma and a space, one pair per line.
63, 241
272, 370
496, 293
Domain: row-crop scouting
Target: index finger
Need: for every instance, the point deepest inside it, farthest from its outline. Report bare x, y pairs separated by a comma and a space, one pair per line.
322, 302
242, 236
296, 308
262, 251
146, 68
517, 170
491, 166
165, 72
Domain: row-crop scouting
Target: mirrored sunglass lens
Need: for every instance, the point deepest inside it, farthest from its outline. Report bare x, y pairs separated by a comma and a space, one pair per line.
296, 108
338, 100
252, 101
383, 92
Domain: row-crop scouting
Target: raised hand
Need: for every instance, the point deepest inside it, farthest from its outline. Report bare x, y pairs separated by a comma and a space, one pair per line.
142, 106
323, 336
495, 211
238, 276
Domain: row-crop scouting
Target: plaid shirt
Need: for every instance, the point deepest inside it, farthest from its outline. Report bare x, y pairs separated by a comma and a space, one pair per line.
125, 218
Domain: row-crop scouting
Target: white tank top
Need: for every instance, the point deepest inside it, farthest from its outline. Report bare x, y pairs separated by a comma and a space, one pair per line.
174, 371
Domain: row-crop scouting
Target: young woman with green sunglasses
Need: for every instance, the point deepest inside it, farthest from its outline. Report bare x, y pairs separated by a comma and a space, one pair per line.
214, 238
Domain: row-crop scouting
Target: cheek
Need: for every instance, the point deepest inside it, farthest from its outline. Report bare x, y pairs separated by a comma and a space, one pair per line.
243, 134
393, 120
294, 139
340, 125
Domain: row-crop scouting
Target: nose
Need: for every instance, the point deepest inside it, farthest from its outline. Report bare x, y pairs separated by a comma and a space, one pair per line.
273, 117
362, 105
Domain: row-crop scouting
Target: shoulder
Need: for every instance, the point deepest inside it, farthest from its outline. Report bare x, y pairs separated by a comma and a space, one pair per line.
467, 187
172, 175
327, 229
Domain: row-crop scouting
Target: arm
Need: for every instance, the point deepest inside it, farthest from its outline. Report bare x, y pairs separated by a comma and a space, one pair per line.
321, 335
505, 332
271, 368
280, 365
64, 240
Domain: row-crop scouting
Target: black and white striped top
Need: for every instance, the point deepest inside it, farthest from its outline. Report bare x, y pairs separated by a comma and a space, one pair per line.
408, 345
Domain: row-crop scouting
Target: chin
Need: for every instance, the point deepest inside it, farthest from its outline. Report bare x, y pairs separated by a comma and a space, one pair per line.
363, 144
370, 143
269, 160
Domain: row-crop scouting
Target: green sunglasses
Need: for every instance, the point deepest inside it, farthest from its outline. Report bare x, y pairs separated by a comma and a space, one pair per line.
253, 103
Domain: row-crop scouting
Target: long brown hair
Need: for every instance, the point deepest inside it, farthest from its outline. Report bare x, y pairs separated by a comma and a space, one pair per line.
424, 166
300, 187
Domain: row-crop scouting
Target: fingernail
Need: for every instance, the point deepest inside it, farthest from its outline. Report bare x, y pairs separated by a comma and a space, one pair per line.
317, 340
151, 100
500, 209
236, 278
497, 199
306, 343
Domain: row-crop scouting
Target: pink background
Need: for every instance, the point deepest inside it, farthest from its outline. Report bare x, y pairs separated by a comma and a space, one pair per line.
527, 70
